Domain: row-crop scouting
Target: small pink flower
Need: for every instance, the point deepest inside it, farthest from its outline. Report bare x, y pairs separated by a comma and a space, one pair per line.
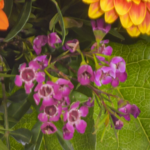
50, 113
53, 39
42, 61
117, 123
28, 75
71, 45
65, 86
38, 42
85, 74
89, 102
48, 128
47, 92
73, 118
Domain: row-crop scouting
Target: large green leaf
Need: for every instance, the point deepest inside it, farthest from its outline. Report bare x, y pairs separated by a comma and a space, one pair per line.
3, 146
21, 22
8, 7
136, 134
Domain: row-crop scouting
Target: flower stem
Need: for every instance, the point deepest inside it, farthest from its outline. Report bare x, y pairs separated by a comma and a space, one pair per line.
5, 108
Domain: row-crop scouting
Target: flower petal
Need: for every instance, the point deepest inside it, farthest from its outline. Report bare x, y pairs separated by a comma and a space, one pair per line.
122, 6
126, 21
75, 105
115, 83
36, 98
18, 81
48, 128
145, 26
133, 31
90, 1
111, 16
38, 87
84, 111
81, 126
95, 11
137, 13
68, 131
40, 76
43, 117
47, 102
4, 24
107, 5
108, 50
107, 80
1, 4
28, 87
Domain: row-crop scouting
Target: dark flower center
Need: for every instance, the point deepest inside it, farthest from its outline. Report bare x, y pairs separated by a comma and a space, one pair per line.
46, 90
73, 115
28, 74
86, 74
66, 131
49, 128
51, 110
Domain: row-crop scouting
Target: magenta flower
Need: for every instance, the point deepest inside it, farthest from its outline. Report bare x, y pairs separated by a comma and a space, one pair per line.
129, 109
100, 24
53, 39
102, 49
117, 123
50, 113
85, 74
119, 77
47, 92
104, 75
89, 102
64, 102
118, 64
73, 118
38, 42
48, 128
71, 45
65, 86
28, 75
42, 61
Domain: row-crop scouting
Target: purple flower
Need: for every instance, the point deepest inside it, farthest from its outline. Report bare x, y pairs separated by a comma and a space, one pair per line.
100, 24
38, 42
117, 123
129, 109
119, 77
42, 61
65, 101
85, 74
53, 39
73, 118
65, 86
47, 92
89, 102
50, 113
102, 49
48, 128
118, 64
28, 75
71, 45
104, 75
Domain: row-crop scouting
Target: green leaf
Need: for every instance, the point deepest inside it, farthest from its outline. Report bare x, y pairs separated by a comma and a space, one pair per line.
18, 96
8, 7
3, 146
77, 96
61, 21
116, 34
136, 134
22, 135
21, 22
36, 138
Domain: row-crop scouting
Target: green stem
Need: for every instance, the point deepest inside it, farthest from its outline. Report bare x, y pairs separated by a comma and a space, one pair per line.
5, 108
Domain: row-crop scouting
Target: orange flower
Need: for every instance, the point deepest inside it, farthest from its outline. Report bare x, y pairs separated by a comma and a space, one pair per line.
4, 24
134, 14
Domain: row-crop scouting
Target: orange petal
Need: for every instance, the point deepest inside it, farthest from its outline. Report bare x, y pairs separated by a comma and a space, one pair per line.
145, 26
122, 7
111, 16
136, 1
4, 24
1, 4
107, 5
137, 13
126, 21
148, 5
133, 31
90, 1
95, 10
